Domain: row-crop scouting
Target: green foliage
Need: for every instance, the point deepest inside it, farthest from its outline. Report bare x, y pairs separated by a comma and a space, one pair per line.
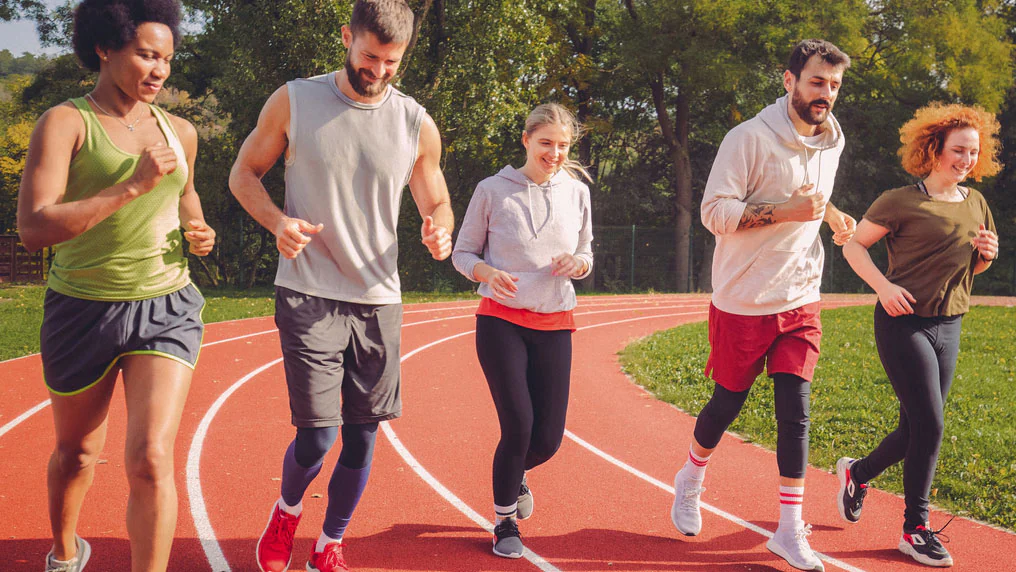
853, 405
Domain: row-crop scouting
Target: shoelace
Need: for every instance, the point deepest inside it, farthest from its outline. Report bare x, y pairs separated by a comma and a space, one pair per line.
63, 567
283, 532
801, 536
690, 499
862, 491
933, 536
507, 527
332, 557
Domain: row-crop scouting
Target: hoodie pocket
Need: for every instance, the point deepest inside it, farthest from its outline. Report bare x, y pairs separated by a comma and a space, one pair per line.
779, 276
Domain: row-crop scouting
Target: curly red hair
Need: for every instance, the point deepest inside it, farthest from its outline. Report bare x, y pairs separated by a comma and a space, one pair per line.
924, 136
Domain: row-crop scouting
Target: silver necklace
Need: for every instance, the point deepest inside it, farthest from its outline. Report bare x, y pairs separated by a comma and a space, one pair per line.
130, 126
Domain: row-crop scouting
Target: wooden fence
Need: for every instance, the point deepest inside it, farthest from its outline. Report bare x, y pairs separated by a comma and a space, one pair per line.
16, 263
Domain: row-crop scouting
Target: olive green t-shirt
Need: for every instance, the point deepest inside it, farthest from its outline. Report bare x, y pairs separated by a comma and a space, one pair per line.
929, 244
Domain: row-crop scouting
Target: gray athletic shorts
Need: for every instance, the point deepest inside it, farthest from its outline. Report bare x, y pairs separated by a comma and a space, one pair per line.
341, 359
83, 339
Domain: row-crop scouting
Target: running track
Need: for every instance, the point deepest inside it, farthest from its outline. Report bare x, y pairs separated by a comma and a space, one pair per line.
601, 504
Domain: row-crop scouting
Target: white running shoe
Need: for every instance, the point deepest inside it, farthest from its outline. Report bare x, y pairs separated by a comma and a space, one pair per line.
685, 512
791, 544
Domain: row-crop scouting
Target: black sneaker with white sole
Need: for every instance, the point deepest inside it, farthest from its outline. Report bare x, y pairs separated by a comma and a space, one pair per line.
850, 499
924, 546
507, 540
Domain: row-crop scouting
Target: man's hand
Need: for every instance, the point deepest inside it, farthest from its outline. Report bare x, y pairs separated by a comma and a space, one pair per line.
843, 225
803, 206
292, 235
437, 239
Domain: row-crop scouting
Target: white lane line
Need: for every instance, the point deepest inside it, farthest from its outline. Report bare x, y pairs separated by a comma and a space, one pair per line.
17, 420
40, 406
199, 512
660, 484
717, 511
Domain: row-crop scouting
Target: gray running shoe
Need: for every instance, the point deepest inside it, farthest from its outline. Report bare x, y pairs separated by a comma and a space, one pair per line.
685, 512
524, 508
507, 540
76, 564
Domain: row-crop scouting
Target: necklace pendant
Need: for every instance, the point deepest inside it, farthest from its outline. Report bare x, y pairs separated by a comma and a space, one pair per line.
130, 128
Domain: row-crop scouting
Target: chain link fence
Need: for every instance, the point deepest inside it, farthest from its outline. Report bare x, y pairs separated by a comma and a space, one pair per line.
640, 258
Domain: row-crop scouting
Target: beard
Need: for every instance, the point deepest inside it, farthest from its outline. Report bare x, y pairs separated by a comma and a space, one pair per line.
807, 113
360, 84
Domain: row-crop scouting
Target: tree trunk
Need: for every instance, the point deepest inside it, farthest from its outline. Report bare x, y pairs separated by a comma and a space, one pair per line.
675, 133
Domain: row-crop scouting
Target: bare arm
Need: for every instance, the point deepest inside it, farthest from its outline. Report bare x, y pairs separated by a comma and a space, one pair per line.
200, 236
430, 192
896, 300
258, 154
803, 206
43, 219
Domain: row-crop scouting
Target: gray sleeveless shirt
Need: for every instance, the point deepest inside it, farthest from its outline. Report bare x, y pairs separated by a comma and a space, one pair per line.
347, 166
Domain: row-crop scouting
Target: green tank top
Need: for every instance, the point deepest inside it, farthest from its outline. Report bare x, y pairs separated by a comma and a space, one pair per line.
137, 252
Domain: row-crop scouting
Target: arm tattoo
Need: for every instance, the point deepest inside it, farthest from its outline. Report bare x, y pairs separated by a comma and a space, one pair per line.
757, 215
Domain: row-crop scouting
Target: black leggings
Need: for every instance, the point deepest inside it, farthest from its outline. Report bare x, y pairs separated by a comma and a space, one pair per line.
528, 372
791, 395
919, 356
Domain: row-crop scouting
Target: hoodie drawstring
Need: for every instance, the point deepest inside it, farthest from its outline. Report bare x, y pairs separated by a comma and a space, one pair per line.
532, 220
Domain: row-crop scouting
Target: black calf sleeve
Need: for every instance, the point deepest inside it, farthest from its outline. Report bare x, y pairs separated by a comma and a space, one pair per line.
792, 397
723, 407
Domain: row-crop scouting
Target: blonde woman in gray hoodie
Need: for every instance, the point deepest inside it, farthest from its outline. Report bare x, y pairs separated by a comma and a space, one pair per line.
526, 235
766, 197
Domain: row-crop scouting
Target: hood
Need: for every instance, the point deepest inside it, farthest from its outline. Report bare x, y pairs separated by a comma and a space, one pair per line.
515, 176
776, 117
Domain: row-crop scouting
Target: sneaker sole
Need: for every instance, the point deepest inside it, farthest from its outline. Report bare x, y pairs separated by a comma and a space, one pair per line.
776, 549
841, 476
532, 505
907, 549
257, 549
86, 553
503, 555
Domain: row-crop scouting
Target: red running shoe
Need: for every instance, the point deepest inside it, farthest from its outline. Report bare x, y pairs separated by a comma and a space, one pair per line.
275, 547
328, 560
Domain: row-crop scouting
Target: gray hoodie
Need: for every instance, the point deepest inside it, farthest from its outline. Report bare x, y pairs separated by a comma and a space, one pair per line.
775, 268
517, 226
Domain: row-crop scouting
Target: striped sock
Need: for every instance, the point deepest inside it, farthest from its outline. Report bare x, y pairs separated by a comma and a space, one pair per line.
503, 512
695, 467
791, 500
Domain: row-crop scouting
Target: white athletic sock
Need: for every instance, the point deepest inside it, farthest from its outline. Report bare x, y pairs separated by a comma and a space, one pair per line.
695, 466
293, 510
323, 540
791, 500
503, 512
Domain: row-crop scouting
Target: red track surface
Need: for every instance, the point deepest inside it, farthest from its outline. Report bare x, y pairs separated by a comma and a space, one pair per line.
591, 514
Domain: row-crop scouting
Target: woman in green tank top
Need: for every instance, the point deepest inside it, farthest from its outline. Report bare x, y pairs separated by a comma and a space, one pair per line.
108, 183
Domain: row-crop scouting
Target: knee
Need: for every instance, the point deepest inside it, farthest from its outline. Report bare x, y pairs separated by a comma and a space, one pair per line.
313, 443
544, 447
71, 459
149, 462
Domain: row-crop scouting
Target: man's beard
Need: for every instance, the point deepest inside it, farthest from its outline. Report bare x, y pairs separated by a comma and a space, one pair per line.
361, 86
806, 112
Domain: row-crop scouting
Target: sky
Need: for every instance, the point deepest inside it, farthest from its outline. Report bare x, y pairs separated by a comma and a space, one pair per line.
19, 36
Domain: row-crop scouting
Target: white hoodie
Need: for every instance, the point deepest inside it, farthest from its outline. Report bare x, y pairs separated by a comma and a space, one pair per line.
774, 268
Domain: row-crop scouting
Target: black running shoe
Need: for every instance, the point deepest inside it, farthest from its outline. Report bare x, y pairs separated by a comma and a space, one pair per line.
507, 540
850, 499
923, 545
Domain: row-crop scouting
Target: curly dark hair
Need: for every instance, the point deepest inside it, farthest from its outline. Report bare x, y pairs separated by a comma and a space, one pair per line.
112, 24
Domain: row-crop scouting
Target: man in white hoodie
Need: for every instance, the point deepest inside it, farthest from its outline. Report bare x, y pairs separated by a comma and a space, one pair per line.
766, 197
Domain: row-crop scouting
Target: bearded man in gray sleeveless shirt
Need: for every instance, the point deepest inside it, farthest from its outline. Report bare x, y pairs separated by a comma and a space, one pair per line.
352, 143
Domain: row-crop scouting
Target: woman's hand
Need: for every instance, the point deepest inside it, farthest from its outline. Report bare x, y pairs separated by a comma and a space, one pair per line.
567, 265
896, 300
986, 243
502, 284
200, 236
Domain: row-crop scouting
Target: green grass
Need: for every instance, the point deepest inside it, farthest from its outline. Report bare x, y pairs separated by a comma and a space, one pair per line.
853, 405
21, 311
